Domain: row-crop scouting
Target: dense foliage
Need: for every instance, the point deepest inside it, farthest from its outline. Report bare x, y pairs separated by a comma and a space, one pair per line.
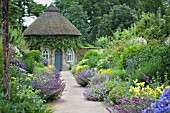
102, 18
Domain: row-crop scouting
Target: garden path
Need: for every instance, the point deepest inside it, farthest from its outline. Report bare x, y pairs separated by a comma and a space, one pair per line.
73, 101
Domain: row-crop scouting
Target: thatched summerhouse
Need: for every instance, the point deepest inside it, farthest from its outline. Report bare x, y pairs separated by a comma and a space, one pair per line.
52, 25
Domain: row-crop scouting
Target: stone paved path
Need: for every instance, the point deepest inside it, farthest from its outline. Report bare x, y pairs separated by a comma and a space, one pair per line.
73, 101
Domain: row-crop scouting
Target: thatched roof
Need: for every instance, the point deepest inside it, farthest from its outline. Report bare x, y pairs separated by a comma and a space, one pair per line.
51, 23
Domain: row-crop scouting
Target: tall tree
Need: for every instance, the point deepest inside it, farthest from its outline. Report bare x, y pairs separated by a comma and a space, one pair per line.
121, 16
150, 6
78, 17
95, 11
5, 43
23, 8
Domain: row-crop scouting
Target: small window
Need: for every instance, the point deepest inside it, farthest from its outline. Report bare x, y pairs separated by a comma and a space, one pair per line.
45, 54
70, 56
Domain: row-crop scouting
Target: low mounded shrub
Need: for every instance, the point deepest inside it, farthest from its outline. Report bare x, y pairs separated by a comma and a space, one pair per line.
90, 54
98, 92
131, 105
82, 78
51, 85
119, 89
99, 78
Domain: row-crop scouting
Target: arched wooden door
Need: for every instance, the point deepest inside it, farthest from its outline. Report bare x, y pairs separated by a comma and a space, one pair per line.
58, 59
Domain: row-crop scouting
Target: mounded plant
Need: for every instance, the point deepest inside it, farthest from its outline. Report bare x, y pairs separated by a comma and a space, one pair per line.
99, 78
83, 78
50, 84
98, 92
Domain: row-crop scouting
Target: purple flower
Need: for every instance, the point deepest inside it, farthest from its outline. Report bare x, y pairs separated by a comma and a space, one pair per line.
163, 104
153, 105
50, 86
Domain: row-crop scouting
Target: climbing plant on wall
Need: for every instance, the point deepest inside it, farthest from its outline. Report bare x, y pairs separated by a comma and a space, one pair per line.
63, 42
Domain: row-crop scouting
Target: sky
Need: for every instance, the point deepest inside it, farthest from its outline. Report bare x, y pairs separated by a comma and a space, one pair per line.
29, 20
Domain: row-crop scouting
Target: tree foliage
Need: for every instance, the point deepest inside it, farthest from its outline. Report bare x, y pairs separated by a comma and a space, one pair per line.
76, 10
17, 38
22, 8
121, 16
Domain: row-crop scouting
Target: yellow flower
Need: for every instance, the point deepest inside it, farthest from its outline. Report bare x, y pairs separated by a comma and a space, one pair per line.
13, 78
142, 83
135, 81
130, 90
136, 91
148, 88
159, 90
138, 84
167, 87
143, 90
162, 87
131, 87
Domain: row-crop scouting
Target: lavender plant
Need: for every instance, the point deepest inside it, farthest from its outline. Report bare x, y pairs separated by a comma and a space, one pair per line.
98, 92
130, 105
51, 85
163, 104
99, 79
82, 78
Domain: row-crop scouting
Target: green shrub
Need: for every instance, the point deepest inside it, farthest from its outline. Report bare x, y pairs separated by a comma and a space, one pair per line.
80, 68
104, 42
35, 54
103, 64
92, 62
120, 89
30, 64
118, 74
152, 69
90, 54
24, 99
40, 65
150, 61
83, 62
128, 52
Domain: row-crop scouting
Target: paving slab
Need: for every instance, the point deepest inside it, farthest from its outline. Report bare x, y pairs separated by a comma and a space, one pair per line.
73, 101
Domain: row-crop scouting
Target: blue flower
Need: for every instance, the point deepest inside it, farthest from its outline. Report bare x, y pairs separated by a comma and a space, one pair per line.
163, 104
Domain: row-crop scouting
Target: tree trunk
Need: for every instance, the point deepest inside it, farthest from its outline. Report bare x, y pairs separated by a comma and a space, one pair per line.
5, 44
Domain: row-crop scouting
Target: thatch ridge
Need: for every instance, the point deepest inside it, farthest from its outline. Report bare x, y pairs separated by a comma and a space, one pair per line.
51, 22
52, 8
